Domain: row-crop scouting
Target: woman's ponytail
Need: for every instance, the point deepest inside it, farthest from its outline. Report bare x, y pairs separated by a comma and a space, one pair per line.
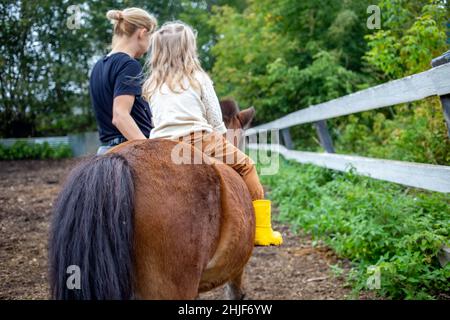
127, 21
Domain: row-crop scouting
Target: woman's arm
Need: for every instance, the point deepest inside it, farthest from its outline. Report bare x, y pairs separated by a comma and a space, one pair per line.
122, 119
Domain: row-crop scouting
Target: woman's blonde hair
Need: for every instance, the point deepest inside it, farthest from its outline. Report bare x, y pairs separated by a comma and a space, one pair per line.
173, 59
127, 21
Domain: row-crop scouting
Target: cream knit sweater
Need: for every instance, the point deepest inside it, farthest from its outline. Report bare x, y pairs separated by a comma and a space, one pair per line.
178, 114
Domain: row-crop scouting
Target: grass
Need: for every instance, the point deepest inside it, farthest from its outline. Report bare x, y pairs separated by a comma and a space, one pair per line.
380, 226
22, 150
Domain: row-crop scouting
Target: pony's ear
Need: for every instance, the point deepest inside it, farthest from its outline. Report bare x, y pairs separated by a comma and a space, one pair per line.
246, 116
229, 108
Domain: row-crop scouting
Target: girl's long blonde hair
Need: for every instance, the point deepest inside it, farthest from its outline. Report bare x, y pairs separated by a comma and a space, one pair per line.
127, 21
173, 59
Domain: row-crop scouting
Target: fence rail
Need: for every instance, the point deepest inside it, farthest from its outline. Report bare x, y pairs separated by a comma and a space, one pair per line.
416, 87
418, 175
433, 82
52, 141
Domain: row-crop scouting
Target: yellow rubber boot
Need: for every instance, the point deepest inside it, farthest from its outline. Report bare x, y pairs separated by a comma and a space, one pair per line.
264, 235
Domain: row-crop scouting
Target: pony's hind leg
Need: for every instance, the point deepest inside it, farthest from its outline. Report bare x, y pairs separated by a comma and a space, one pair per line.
233, 289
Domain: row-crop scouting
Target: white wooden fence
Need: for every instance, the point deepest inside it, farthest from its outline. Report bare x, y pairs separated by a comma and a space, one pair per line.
434, 82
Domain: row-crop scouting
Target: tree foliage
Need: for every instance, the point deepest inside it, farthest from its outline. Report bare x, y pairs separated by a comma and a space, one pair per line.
44, 64
281, 56
413, 33
284, 55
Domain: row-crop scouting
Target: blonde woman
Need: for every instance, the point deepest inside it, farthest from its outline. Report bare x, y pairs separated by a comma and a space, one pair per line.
115, 83
185, 107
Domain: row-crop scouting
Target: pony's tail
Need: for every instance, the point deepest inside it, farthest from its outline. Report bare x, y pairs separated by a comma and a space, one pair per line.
90, 245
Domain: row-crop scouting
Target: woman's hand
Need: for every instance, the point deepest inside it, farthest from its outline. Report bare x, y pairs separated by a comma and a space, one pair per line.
122, 119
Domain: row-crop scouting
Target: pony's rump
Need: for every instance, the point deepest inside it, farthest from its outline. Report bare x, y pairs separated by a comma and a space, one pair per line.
92, 231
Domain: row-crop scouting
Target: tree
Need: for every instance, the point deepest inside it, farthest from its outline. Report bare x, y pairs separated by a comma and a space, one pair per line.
413, 33
45, 64
281, 56
285, 55
39, 64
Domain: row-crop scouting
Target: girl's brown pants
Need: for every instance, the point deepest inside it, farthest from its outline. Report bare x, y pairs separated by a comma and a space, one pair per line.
218, 148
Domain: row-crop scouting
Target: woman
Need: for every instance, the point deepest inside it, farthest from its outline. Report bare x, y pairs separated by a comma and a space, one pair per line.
115, 83
186, 108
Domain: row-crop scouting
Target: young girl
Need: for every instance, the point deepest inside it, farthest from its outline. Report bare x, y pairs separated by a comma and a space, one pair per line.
185, 108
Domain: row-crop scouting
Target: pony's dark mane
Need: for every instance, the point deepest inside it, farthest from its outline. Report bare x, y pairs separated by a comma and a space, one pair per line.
92, 228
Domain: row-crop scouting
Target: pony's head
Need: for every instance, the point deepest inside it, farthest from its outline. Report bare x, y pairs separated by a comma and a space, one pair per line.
236, 119
233, 117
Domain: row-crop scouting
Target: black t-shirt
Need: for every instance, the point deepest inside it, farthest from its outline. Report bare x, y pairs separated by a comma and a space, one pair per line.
115, 75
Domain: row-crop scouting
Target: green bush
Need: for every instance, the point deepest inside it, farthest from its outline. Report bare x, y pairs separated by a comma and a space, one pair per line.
415, 132
373, 223
21, 150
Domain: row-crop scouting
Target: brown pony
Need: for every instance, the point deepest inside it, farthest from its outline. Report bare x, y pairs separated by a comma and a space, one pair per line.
136, 225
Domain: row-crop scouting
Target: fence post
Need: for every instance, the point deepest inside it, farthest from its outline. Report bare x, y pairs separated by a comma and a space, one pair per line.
83, 144
324, 136
287, 140
445, 99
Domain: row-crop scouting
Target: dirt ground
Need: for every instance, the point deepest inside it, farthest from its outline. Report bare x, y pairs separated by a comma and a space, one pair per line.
297, 270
